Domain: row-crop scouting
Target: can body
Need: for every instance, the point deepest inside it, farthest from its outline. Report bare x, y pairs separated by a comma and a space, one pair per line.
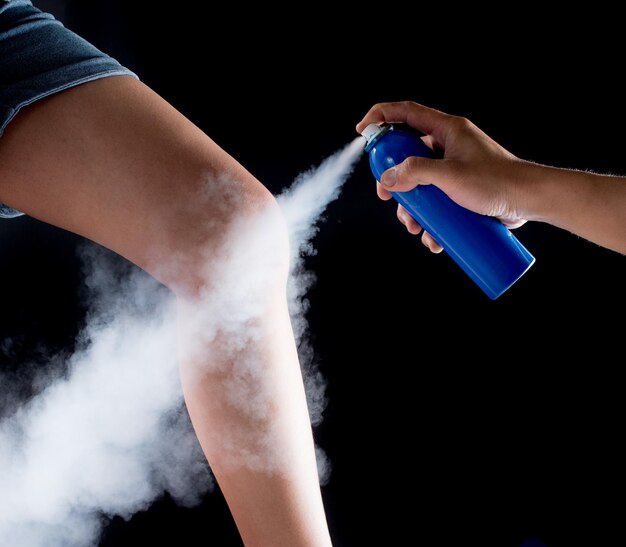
482, 246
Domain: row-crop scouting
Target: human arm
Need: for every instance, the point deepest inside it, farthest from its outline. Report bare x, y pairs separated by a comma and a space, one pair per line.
481, 175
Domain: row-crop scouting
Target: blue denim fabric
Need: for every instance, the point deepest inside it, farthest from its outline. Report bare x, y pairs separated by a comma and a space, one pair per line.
39, 57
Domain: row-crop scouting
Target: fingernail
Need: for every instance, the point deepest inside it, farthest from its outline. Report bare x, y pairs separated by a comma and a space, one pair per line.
389, 177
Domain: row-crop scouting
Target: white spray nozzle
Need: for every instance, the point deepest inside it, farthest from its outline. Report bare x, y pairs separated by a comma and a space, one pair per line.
372, 131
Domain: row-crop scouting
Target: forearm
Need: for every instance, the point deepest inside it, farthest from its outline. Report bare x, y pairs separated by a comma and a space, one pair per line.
589, 205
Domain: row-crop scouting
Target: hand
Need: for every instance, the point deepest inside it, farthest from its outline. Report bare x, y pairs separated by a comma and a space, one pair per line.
475, 171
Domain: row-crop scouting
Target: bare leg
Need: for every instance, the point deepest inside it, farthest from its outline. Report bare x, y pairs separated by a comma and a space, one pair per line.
113, 162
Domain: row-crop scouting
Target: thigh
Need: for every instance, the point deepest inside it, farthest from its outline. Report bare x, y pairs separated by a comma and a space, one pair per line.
114, 162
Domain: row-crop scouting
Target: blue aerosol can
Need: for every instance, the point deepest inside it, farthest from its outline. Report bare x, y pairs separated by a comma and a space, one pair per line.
482, 246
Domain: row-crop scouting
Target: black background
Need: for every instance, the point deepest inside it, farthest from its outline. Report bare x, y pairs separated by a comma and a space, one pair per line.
474, 422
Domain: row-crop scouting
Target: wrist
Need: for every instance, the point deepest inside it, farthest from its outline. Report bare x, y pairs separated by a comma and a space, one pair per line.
549, 194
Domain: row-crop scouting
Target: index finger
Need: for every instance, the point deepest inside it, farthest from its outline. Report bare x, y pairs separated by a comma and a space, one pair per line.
427, 120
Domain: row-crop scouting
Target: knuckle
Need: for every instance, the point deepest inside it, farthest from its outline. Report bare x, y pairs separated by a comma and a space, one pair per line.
461, 123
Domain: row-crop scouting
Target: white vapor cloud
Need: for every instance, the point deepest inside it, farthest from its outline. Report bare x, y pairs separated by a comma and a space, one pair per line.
303, 204
99, 440
111, 434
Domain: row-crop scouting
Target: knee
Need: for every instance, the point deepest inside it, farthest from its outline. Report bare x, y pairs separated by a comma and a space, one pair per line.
220, 231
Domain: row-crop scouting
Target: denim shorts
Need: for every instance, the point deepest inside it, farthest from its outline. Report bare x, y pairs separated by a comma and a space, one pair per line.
39, 57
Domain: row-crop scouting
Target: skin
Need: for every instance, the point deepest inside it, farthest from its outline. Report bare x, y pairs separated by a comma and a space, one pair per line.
481, 175
112, 161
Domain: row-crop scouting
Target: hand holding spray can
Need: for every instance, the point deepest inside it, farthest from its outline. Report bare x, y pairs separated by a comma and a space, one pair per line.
482, 246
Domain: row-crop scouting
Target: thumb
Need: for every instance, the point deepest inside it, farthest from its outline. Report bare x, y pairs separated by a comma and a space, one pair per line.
413, 171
